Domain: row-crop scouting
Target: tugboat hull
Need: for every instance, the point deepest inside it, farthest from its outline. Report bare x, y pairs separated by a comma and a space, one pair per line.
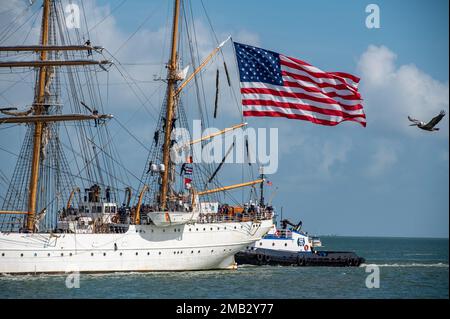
261, 256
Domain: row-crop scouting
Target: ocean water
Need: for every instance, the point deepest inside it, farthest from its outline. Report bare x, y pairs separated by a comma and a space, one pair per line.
408, 268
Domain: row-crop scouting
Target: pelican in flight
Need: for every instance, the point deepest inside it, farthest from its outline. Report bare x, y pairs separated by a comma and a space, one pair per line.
430, 126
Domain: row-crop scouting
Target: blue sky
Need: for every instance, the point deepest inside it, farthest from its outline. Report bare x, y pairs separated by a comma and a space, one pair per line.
384, 180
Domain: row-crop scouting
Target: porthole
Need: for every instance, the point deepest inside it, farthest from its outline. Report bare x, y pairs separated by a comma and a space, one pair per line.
211, 228
164, 230
104, 254
189, 229
152, 230
196, 229
225, 228
21, 255
218, 228
3, 254
204, 229
62, 254
175, 230
192, 251
35, 254
148, 253
120, 254
48, 254
199, 251
273, 244
92, 254
137, 253
260, 244
159, 253
285, 244
234, 227
174, 252
242, 226
70, 254
212, 250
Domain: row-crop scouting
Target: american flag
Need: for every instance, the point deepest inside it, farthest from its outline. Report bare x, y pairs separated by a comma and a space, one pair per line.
273, 84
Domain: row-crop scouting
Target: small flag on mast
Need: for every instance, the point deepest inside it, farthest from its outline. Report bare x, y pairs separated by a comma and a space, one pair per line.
275, 85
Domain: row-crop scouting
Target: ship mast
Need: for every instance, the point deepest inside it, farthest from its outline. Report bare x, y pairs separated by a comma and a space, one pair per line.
38, 126
170, 107
39, 117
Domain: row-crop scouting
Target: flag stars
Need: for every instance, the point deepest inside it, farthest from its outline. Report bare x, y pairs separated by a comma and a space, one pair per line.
256, 64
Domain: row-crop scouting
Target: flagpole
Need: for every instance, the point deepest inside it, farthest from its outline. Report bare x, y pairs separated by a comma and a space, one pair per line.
261, 199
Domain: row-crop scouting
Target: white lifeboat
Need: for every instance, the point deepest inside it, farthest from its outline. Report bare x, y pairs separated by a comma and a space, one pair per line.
165, 219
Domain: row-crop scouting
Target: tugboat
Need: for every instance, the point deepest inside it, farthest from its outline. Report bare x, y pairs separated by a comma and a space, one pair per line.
293, 247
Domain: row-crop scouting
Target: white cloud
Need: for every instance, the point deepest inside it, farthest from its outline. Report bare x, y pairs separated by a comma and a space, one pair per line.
392, 93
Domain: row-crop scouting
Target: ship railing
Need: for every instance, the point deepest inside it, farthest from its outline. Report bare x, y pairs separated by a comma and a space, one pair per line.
228, 218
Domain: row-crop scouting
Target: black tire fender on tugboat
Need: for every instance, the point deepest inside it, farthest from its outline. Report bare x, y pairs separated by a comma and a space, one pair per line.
267, 258
259, 258
348, 261
301, 261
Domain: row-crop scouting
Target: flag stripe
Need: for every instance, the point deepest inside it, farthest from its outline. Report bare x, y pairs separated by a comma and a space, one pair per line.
316, 81
305, 86
334, 79
301, 95
275, 99
352, 80
328, 122
306, 107
299, 78
330, 91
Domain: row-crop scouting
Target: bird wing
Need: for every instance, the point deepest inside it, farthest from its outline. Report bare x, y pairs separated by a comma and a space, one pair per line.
412, 120
435, 120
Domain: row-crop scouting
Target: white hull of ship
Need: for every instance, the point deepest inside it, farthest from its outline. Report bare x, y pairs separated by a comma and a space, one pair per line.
142, 248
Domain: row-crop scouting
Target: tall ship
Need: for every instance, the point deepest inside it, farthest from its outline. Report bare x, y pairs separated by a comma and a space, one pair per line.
176, 219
